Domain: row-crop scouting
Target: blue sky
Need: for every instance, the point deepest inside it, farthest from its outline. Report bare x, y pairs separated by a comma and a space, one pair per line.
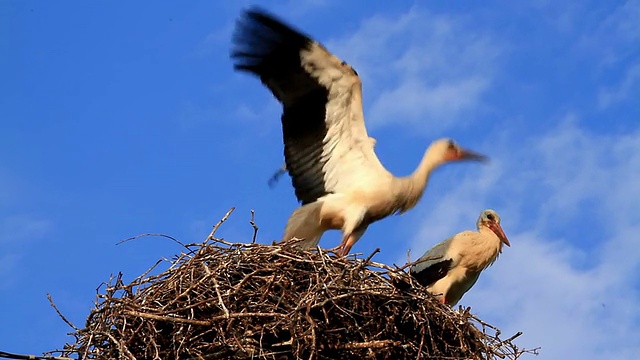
120, 119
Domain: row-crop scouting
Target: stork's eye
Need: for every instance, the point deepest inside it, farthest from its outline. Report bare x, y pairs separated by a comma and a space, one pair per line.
491, 217
451, 145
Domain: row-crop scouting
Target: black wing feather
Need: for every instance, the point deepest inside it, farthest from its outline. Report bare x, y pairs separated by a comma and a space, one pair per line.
433, 273
270, 49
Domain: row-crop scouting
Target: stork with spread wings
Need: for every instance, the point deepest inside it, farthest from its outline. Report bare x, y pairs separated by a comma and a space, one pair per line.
328, 153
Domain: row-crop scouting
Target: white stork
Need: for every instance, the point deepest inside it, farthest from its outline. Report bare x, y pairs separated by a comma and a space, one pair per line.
452, 267
335, 172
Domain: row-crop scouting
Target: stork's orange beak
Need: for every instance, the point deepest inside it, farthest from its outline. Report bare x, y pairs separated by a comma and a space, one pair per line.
497, 229
466, 154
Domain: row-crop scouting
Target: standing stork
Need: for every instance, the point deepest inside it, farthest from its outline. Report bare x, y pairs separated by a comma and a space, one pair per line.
335, 172
452, 267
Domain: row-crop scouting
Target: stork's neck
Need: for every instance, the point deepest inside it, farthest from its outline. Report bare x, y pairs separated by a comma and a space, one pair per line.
493, 239
413, 185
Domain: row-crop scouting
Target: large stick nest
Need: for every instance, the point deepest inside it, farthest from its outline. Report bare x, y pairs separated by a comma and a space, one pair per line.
220, 300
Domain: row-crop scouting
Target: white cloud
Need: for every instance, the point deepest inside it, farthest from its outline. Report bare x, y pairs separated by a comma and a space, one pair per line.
614, 42
435, 68
427, 106
575, 301
627, 87
618, 33
569, 312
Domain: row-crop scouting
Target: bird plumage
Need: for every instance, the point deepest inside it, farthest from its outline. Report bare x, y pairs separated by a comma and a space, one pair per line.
452, 267
283, 169
321, 103
336, 174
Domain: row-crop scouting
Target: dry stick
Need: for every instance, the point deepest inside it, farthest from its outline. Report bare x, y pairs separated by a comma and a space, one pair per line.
255, 227
60, 314
156, 349
366, 261
421, 343
533, 351
142, 277
224, 354
245, 279
4, 354
500, 355
314, 344
181, 343
220, 301
513, 337
86, 350
200, 322
216, 226
151, 234
373, 344
293, 258
186, 291
123, 348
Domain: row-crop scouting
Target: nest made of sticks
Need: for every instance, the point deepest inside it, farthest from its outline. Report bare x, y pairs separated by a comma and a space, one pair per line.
221, 300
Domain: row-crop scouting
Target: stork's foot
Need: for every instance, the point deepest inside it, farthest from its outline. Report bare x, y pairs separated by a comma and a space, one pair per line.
346, 245
336, 249
339, 250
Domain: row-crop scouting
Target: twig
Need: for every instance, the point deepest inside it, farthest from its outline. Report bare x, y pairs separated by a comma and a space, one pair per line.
152, 234
60, 314
513, 337
200, 322
7, 355
374, 344
220, 301
366, 261
216, 226
144, 275
122, 347
255, 227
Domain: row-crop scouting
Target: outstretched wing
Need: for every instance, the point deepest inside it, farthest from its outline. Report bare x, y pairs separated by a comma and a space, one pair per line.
326, 145
283, 169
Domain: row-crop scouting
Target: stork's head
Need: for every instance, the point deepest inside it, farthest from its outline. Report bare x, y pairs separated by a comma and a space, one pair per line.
490, 219
447, 150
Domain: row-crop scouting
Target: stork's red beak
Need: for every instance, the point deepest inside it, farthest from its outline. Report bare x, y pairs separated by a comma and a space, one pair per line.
466, 154
497, 229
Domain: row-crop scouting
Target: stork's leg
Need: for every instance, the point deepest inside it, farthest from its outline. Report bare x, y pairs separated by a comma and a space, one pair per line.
349, 240
339, 209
